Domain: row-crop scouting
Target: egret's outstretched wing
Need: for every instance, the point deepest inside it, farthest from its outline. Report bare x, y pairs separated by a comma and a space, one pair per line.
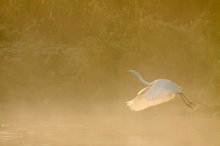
140, 102
153, 96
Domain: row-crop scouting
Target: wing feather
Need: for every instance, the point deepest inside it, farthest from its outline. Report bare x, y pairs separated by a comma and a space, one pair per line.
140, 102
158, 92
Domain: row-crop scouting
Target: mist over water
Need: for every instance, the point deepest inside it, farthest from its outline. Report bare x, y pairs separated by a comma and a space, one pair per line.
62, 65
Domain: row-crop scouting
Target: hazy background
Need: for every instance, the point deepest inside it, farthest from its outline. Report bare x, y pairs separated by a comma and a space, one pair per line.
63, 62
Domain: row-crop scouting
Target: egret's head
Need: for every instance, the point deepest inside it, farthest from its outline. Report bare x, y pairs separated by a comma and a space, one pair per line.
133, 72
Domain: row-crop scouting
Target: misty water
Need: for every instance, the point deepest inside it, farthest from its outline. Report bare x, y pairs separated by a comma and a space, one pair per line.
163, 125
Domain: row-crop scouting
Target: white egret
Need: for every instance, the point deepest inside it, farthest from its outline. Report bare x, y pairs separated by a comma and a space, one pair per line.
156, 92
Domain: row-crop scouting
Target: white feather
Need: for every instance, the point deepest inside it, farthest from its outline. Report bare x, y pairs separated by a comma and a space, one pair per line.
140, 102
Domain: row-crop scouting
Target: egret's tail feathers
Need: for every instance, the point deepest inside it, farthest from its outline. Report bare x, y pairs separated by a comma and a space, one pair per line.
140, 103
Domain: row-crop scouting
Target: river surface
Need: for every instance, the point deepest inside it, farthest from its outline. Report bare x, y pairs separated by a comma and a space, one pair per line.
133, 129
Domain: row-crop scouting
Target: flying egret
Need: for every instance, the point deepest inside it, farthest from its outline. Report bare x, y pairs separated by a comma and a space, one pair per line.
156, 92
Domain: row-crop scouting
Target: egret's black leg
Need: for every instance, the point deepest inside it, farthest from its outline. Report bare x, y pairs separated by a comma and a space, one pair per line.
186, 100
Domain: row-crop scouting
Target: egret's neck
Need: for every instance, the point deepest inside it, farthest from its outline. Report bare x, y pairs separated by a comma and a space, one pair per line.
141, 79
